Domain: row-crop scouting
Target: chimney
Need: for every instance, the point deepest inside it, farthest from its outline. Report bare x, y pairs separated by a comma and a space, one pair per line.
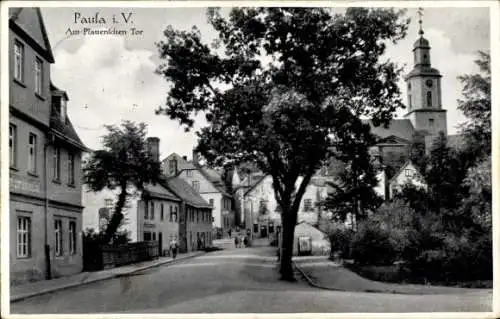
153, 144
195, 157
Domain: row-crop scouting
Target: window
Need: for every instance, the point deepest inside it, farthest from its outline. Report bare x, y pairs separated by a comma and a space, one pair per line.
152, 216
192, 215
58, 237
196, 185
23, 237
38, 76
255, 228
147, 236
307, 205
211, 201
172, 167
72, 237
154, 236
174, 213
431, 122
409, 101
271, 228
57, 163
189, 173
12, 144
18, 61
146, 207
429, 99
408, 172
32, 153
161, 212
71, 169
108, 202
171, 213
197, 216
63, 109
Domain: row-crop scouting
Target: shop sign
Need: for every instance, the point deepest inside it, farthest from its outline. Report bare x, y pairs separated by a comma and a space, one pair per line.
21, 184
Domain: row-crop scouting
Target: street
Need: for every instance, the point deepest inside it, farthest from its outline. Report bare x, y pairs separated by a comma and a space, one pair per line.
232, 281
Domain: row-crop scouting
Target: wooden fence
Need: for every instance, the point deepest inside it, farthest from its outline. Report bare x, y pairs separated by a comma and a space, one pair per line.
98, 257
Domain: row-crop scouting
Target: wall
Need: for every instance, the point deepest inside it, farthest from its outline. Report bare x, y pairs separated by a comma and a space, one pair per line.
402, 179
168, 228
217, 208
320, 243
93, 201
197, 225
22, 95
61, 190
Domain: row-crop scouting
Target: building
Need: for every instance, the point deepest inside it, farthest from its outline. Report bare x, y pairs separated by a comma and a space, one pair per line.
262, 213
407, 174
45, 159
208, 183
195, 216
309, 240
158, 216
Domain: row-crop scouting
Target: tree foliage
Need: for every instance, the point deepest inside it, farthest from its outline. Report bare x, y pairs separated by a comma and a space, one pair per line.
476, 107
123, 163
281, 87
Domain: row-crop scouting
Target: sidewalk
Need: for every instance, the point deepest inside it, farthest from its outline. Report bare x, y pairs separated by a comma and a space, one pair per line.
21, 292
332, 276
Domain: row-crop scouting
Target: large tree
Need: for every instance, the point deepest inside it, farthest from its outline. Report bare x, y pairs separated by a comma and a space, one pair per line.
476, 106
125, 164
322, 72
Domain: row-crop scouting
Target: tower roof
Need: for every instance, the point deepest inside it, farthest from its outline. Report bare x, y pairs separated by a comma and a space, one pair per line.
421, 43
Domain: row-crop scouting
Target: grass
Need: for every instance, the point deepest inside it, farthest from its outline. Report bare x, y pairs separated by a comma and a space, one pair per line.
401, 275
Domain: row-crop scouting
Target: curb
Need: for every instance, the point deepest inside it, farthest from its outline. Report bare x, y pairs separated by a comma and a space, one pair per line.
312, 283
111, 276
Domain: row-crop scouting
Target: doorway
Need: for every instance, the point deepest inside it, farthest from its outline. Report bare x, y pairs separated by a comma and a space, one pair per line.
160, 243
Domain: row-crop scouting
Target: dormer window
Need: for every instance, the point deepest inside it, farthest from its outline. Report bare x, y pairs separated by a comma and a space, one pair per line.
63, 109
59, 106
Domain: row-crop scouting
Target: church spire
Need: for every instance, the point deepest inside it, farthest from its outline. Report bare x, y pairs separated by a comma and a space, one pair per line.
420, 13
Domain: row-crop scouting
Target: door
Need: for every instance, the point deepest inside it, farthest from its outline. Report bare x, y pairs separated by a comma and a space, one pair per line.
160, 243
263, 231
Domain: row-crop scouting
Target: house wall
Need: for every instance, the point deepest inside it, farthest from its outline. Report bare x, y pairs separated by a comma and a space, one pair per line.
22, 94
168, 226
93, 201
320, 243
198, 225
33, 194
401, 179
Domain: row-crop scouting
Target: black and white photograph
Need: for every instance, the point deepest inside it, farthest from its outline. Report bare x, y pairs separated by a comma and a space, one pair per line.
248, 158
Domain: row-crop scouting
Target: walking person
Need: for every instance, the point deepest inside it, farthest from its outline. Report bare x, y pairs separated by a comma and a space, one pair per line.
236, 241
173, 247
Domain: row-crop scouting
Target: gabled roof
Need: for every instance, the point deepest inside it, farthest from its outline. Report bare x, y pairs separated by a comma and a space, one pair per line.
158, 191
185, 192
64, 129
401, 169
22, 21
401, 128
214, 178
182, 164
393, 139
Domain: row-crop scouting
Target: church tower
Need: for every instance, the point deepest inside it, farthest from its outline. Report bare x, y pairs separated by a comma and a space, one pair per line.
424, 91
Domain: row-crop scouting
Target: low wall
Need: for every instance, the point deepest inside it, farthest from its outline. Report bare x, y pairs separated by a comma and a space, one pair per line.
97, 257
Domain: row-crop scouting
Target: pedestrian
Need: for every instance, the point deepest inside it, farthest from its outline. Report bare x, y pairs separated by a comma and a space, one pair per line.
245, 241
173, 247
229, 232
236, 241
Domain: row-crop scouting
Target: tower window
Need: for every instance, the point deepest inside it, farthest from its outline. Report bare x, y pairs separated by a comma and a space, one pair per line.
431, 122
429, 99
409, 101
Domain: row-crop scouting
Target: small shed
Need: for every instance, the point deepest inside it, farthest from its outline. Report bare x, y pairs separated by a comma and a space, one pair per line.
309, 240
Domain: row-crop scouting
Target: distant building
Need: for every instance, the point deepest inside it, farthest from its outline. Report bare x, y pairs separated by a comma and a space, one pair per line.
262, 213
44, 157
195, 216
407, 174
208, 183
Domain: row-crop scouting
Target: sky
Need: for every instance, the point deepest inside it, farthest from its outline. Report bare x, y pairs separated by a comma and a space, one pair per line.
111, 78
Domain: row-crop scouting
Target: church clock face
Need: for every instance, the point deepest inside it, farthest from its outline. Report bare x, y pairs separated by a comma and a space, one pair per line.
428, 83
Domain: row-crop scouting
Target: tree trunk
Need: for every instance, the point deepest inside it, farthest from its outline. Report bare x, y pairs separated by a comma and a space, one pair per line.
286, 269
117, 216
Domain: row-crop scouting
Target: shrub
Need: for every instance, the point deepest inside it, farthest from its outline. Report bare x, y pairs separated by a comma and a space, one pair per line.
340, 240
372, 244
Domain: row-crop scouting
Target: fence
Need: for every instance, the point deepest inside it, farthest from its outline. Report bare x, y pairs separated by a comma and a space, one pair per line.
98, 257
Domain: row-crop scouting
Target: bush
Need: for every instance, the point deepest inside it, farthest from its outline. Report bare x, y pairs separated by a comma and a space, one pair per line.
372, 245
340, 240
